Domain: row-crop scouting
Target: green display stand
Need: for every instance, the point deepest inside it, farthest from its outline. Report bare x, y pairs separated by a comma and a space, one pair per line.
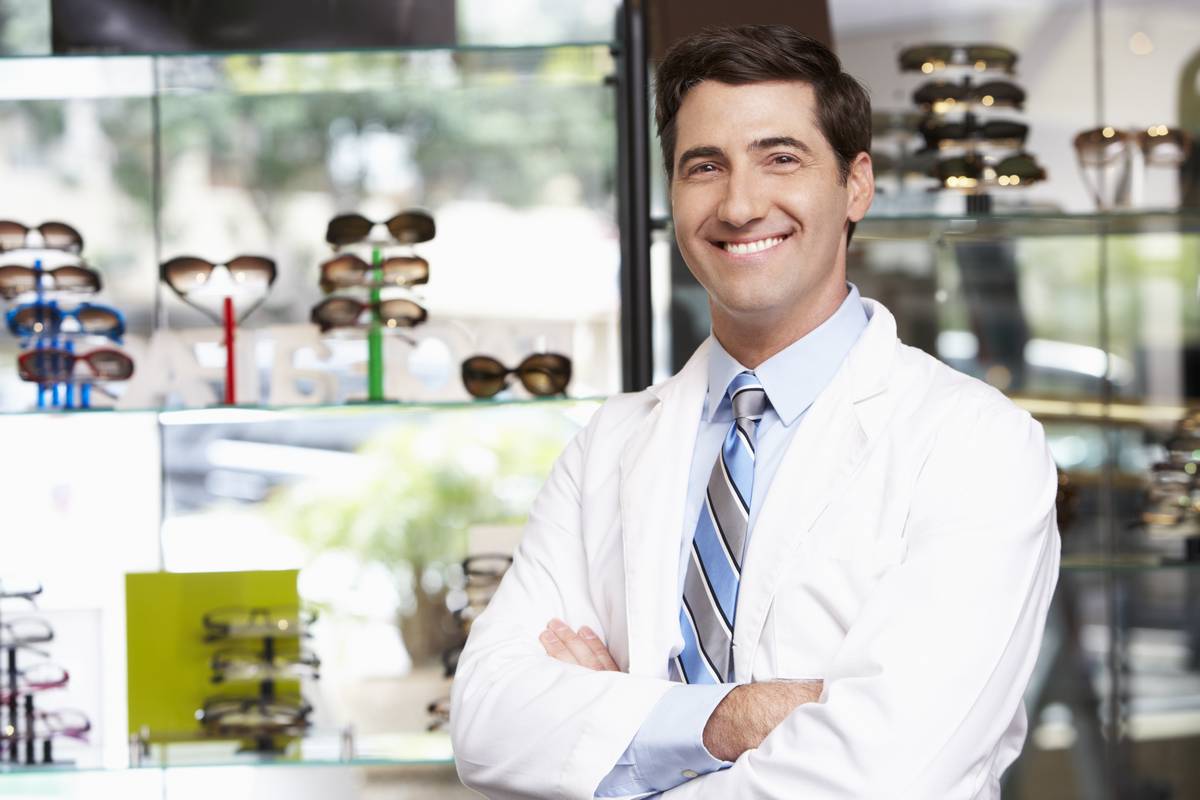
169, 662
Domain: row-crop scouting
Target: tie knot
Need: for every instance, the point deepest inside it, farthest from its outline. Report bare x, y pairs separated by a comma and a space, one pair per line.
748, 396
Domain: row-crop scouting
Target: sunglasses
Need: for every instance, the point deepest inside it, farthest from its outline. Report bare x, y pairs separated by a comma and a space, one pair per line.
253, 715
1160, 145
940, 96
969, 171
55, 365
25, 631
407, 227
29, 593
439, 710
16, 279
938, 133
346, 312
55, 236
257, 623
187, 274
49, 724
46, 319
39, 678
929, 57
543, 374
349, 270
236, 664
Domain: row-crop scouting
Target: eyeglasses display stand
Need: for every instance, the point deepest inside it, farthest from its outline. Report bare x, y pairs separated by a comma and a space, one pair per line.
397, 271
980, 163
27, 733
261, 655
50, 331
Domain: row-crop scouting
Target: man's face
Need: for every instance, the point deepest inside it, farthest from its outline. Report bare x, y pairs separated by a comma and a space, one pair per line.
760, 215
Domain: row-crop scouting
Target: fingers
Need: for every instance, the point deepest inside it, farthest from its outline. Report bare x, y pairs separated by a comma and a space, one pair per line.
599, 651
584, 648
579, 650
555, 648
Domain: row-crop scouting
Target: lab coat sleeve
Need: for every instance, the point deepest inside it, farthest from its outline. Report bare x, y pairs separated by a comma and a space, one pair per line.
931, 673
523, 724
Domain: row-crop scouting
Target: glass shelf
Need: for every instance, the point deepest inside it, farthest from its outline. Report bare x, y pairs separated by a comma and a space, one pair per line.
250, 413
1132, 562
417, 749
404, 49
966, 227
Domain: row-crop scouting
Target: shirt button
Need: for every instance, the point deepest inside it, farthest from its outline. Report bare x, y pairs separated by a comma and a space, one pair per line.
690, 773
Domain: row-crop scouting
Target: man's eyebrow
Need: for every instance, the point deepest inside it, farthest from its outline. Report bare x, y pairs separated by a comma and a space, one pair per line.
780, 141
704, 151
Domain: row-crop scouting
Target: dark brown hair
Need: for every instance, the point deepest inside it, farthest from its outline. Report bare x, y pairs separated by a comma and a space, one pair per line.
758, 53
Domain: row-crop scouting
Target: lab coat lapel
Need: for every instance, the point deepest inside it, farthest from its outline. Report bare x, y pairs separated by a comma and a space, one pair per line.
831, 443
654, 469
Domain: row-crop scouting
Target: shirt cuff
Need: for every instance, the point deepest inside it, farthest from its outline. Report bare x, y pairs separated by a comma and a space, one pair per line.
669, 748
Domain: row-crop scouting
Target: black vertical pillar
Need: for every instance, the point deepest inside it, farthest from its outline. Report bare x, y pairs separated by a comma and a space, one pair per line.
633, 195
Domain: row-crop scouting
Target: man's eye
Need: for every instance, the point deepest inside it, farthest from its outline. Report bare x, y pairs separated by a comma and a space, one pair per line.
701, 169
784, 158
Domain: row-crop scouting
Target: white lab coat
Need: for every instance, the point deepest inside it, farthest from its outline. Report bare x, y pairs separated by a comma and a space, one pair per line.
906, 554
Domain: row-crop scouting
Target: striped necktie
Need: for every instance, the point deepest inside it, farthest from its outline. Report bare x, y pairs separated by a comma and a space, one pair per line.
710, 585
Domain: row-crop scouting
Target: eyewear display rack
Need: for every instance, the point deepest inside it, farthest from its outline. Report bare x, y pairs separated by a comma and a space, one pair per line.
1119, 581
625, 88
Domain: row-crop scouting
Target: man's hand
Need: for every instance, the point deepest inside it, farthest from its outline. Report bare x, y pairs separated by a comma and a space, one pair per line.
743, 719
583, 648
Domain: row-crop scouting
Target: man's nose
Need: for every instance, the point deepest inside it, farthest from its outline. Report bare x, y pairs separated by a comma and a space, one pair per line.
744, 200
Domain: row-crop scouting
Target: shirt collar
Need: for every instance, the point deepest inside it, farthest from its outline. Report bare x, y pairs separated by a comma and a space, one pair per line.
794, 376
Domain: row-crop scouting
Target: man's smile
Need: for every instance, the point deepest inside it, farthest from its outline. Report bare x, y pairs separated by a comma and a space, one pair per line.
751, 246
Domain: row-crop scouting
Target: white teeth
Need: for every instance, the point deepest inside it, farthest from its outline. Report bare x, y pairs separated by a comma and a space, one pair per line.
745, 248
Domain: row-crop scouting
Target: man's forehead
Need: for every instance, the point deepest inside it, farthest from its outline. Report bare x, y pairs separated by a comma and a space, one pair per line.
742, 114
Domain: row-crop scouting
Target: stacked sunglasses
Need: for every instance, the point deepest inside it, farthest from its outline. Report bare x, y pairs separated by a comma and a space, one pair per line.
974, 151
260, 659
67, 342
373, 296
481, 575
28, 733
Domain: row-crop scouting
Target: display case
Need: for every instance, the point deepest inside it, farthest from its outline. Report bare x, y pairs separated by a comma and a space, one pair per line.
509, 138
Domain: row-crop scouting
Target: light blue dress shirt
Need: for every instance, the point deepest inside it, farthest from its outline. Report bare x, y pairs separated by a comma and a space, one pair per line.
669, 747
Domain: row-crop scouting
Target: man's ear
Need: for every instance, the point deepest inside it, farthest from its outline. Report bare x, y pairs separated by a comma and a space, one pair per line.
861, 185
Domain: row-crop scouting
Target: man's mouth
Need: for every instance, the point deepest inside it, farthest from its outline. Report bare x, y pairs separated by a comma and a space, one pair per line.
755, 246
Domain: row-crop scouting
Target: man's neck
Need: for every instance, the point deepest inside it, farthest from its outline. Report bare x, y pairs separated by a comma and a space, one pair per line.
752, 342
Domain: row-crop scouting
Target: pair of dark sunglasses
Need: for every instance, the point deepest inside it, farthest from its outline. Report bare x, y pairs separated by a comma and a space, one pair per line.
188, 274
349, 270
346, 312
407, 227
929, 57
938, 133
969, 171
940, 95
53, 365
46, 319
16, 279
55, 236
543, 374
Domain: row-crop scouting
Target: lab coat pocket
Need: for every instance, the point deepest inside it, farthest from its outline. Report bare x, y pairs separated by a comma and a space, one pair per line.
817, 600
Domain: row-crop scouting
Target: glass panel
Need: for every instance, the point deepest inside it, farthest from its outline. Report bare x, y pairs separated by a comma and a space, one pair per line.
378, 511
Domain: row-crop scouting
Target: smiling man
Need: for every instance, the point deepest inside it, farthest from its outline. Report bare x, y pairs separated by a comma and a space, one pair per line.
815, 563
